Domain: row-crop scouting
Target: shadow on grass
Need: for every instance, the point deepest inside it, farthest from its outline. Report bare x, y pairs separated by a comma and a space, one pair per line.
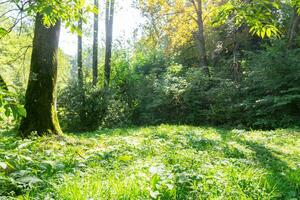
280, 174
204, 144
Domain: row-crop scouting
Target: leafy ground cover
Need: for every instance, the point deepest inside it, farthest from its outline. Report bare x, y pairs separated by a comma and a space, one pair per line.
159, 162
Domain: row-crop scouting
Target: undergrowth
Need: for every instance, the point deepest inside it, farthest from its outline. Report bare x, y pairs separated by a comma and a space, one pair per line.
159, 162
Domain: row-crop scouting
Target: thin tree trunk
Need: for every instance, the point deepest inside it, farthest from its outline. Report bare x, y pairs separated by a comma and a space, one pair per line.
40, 95
82, 114
95, 45
3, 84
235, 61
79, 55
294, 28
200, 36
109, 30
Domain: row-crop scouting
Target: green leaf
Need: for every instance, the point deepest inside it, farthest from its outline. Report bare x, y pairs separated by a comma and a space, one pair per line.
7, 111
48, 10
3, 32
125, 158
3, 165
263, 33
275, 5
22, 111
269, 33
154, 194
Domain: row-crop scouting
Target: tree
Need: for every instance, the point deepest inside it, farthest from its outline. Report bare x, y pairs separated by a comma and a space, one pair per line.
109, 16
200, 36
183, 23
80, 69
79, 55
95, 44
40, 95
294, 28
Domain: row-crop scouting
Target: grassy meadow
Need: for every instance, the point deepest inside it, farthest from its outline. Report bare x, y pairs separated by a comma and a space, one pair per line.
159, 162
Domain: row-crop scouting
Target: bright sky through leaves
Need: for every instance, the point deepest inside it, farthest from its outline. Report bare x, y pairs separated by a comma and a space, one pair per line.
126, 20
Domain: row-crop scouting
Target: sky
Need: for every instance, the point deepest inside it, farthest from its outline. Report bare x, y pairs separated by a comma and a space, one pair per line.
126, 20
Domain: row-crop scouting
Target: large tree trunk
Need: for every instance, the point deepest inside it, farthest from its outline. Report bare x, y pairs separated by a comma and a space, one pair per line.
109, 30
294, 28
40, 95
95, 45
200, 36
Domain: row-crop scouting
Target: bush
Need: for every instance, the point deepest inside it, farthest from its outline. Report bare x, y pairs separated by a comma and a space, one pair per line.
160, 96
153, 90
272, 88
186, 95
99, 108
11, 111
81, 109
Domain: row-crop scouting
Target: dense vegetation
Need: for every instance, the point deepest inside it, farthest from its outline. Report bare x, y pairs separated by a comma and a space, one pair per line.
158, 91
232, 64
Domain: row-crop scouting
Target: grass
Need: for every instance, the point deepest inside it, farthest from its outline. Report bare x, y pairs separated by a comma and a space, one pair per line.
162, 162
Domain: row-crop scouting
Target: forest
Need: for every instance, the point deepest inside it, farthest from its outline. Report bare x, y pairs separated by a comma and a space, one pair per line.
149, 99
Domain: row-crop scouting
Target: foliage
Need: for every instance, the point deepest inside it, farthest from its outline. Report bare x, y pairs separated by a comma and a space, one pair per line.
163, 162
272, 87
177, 20
99, 108
153, 89
15, 60
10, 109
184, 95
67, 11
260, 15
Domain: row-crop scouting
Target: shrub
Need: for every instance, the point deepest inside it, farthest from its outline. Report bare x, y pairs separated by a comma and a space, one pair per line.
11, 111
153, 90
98, 109
272, 88
78, 113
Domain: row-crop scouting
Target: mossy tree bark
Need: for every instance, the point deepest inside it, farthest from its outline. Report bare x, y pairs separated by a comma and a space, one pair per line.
40, 95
